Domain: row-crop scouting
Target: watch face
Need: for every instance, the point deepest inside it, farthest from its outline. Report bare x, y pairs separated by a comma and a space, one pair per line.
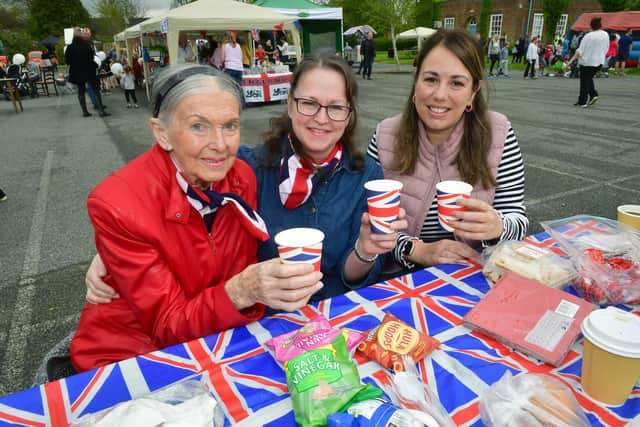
408, 248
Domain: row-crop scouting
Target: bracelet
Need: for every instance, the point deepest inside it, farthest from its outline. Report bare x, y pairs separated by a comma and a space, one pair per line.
360, 257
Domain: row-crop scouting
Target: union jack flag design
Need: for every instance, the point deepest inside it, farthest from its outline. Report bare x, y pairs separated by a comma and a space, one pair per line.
311, 254
383, 209
251, 386
447, 206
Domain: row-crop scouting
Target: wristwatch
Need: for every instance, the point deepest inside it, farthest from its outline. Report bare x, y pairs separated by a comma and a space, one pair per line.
408, 248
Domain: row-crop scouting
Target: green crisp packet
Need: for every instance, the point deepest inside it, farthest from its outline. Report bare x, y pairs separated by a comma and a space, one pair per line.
322, 381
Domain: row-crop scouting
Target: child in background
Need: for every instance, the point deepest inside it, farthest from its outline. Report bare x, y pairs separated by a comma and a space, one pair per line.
128, 82
504, 60
260, 54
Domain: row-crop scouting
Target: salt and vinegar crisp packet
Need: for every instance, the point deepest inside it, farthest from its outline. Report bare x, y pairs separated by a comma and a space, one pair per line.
317, 332
389, 341
322, 381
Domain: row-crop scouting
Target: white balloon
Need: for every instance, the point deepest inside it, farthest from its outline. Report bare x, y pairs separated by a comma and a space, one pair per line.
116, 68
101, 55
19, 59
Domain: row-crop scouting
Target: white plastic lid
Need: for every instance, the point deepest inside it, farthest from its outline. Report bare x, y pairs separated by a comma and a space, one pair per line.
614, 330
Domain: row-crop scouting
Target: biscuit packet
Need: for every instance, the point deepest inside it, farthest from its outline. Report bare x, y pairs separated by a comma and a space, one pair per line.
323, 381
389, 341
317, 332
527, 260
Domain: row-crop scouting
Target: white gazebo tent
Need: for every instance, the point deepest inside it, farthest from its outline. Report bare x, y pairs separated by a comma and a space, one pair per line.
418, 33
217, 15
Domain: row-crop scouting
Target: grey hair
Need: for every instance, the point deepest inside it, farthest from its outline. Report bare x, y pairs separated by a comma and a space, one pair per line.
196, 82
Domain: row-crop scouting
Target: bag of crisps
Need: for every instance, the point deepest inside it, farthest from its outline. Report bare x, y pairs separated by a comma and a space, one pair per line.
389, 341
324, 380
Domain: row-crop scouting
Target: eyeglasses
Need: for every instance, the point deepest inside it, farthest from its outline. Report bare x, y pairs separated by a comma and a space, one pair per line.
309, 107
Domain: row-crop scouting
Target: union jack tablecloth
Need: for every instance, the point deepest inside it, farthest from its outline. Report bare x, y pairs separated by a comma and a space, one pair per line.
251, 385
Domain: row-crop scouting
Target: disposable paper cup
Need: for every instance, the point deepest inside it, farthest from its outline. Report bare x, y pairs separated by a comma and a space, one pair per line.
300, 245
630, 215
383, 200
448, 192
611, 354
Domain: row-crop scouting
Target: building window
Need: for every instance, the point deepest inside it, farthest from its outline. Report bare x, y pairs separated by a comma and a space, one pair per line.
495, 26
538, 24
449, 23
562, 24
472, 25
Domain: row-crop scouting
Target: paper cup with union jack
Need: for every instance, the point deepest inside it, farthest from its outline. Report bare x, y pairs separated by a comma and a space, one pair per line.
300, 245
383, 200
448, 193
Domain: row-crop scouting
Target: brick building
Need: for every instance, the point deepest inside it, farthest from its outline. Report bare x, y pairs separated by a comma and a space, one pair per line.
509, 17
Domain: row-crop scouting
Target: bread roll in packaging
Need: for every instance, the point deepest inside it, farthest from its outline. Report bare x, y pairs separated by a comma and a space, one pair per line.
527, 260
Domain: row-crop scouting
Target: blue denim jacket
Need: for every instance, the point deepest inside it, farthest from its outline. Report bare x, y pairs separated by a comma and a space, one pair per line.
336, 209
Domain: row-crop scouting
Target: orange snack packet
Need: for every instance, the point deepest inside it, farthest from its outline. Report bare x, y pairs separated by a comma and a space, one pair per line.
389, 341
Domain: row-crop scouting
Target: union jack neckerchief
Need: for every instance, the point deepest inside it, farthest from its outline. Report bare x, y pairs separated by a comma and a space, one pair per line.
207, 202
300, 178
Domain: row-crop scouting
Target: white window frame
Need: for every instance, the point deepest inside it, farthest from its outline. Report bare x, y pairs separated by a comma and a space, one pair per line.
537, 25
495, 25
561, 27
449, 23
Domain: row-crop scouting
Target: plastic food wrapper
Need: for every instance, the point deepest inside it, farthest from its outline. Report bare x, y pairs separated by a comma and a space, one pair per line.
389, 341
529, 261
605, 254
187, 403
532, 400
374, 413
406, 390
323, 381
317, 332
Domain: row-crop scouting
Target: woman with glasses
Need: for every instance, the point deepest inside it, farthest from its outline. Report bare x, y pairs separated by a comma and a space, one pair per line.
177, 231
310, 174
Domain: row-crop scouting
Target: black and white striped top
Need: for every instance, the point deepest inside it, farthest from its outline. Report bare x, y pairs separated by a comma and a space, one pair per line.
509, 199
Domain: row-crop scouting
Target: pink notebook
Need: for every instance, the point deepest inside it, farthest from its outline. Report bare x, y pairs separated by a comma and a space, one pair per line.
531, 317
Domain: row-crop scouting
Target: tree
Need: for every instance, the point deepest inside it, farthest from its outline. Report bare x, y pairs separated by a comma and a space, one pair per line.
47, 17
612, 5
13, 32
553, 9
118, 13
397, 14
424, 13
632, 5
485, 14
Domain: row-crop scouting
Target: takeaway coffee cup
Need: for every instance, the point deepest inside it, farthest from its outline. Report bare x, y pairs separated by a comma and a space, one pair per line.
300, 245
629, 215
611, 354
383, 201
448, 192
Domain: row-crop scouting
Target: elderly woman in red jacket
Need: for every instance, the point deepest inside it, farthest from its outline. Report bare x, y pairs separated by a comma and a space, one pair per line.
177, 231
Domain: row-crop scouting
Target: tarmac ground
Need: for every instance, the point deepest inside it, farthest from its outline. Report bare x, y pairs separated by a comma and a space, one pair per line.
578, 161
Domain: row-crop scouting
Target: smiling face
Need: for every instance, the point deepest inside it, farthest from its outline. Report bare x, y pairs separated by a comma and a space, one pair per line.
443, 89
318, 134
203, 136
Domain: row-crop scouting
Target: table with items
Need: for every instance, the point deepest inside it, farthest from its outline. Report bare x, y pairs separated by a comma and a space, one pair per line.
251, 388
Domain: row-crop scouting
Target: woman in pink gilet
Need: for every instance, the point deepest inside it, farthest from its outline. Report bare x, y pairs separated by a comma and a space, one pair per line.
446, 132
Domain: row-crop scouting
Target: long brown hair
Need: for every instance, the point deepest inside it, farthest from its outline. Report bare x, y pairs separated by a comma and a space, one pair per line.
281, 125
476, 140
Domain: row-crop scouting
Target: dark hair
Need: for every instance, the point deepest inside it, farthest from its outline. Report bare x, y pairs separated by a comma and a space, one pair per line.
596, 23
476, 139
281, 125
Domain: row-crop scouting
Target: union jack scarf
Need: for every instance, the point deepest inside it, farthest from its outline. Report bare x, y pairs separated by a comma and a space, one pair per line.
207, 202
300, 178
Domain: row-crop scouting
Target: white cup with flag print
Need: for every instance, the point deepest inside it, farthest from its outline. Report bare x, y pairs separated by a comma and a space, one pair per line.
300, 245
448, 192
383, 201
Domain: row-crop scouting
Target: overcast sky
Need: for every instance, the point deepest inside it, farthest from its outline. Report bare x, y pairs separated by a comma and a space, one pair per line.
147, 4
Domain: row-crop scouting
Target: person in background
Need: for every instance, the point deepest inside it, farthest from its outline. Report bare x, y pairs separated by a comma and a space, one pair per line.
494, 52
531, 58
590, 56
446, 132
128, 83
177, 231
610, 56
624, 50
185, 52
216, 56
82, 69
283, 48
269, 49
504, 60
368, 49
260, 54
231, 57
311, 174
